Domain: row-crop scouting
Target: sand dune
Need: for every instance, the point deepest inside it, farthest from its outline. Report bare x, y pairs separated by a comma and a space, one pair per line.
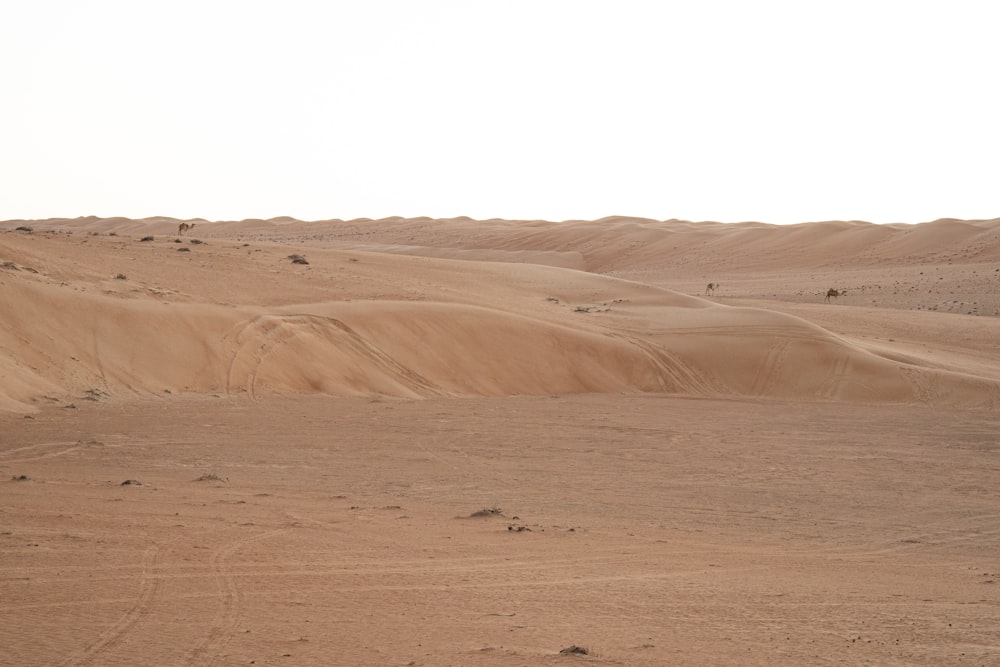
513, 316
488, 442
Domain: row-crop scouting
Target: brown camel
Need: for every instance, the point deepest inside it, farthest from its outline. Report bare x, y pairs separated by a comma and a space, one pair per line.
184, 227
710, 289
832, 293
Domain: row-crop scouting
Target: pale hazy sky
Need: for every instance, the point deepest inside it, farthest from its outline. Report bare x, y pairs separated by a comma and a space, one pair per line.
778, 111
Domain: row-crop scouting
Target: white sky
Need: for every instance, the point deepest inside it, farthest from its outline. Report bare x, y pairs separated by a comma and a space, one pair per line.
879, 110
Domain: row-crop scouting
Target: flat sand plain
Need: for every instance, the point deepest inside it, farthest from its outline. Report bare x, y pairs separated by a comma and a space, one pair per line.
459, 442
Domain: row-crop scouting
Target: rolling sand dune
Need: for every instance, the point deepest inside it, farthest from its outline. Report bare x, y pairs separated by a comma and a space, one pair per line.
754, 476
436, 327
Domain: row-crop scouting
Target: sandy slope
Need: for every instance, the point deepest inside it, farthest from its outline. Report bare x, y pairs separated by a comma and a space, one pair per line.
751, 478
231, 316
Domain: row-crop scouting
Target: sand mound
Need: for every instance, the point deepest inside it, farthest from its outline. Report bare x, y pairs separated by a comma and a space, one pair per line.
532, 330
234, 318
432, 349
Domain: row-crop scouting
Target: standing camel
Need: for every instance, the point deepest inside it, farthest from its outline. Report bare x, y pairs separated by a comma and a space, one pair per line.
710, 289
184, 227
832, 293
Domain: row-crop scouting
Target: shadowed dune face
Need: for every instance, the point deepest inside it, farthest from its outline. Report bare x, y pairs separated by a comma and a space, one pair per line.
232, 317
434, 349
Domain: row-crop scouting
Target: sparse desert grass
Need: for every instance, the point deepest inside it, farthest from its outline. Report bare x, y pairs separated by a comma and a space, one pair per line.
94, 395
15, 267
487, 511
212, 477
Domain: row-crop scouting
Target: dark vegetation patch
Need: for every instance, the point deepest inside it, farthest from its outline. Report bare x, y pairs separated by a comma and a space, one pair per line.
486, 512
212, 477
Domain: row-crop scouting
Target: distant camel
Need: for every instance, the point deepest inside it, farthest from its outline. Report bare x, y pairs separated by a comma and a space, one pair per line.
710, 290
832, 293
184, 227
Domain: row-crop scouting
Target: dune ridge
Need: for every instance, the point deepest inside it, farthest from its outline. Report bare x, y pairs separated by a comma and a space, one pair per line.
423, 308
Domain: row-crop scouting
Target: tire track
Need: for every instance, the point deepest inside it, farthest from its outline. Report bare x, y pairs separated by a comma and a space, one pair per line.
228, 616
950, 533
410, 377
674, 374
149, 582
767, 374
838, 374
762, 331
269, 333
11, 455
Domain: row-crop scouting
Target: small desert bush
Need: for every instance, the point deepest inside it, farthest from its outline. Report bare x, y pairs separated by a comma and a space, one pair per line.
121, 276
212, 477
487, 511
298, 259
146, 238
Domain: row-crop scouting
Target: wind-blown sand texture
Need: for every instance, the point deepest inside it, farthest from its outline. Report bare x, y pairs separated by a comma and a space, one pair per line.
750, 477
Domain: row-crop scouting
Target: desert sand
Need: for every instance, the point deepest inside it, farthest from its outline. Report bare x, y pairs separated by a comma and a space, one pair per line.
490, 442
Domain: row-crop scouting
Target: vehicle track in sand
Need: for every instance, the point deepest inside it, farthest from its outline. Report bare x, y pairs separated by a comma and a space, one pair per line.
231, 597
769, 371
262, 337
149, 583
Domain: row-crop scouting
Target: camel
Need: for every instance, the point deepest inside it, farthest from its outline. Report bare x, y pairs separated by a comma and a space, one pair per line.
710, 290
834, 294
184, 227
